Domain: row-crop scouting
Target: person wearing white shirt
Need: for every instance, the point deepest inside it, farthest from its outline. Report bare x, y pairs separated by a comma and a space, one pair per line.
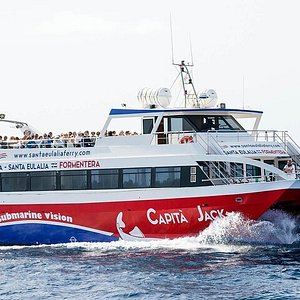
289, 169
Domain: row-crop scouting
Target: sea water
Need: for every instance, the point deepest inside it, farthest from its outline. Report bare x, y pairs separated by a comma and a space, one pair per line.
234, 258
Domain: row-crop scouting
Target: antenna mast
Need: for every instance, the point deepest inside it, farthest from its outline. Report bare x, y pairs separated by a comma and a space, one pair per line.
191, 50
243, 92
171, 31
185, 78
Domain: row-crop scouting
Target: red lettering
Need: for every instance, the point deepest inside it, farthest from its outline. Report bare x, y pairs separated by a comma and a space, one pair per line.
79, 164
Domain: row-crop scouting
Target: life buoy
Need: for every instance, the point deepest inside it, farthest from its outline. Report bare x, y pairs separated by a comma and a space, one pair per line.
186, 139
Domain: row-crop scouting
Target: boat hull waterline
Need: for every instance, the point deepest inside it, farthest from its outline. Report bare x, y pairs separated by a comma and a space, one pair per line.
45, 223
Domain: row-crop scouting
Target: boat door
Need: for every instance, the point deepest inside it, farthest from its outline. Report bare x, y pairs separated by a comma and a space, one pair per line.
161, 131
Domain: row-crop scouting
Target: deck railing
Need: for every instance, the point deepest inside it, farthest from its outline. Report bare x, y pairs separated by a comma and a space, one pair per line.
220, 173
209, 141
47, 143
273, 136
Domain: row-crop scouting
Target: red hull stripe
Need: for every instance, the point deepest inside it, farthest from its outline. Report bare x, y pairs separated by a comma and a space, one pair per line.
167, 218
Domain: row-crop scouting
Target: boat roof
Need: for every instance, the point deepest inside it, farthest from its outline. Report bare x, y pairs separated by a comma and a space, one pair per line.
204, 111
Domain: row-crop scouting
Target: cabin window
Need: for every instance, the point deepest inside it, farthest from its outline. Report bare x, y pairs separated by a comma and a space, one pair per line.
148, 125
167, 177
253, 171
104, 179
136, 178
229, 123
236, 170
218, 169
14, 182
73, 180
183, 176
179, 124
281, 164
202, 123
204, 168
269, 162
43, 181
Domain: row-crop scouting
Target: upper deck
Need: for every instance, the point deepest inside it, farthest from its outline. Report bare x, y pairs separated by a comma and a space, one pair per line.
217, 131
183, 119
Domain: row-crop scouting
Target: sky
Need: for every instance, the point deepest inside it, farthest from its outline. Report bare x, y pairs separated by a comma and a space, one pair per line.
65, 64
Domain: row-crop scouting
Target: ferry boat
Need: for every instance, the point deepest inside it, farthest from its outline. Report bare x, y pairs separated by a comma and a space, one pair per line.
187, 167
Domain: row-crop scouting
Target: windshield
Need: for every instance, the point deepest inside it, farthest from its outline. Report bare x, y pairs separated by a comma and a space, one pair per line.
203, 123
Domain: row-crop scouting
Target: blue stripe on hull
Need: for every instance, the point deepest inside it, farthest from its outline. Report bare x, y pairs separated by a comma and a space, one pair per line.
34, 234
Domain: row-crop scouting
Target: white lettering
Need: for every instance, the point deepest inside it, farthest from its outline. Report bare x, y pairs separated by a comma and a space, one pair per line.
210, 215
166, 217
151, 211
183, 218
58, 217
162, 220
176, 215
220, 213
201, 218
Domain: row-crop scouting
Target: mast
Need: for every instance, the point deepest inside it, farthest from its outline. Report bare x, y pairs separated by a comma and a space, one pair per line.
185, 75
186, 79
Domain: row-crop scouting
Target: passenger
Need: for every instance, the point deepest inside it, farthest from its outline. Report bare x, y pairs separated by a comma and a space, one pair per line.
93, 138
289, 169
121, 133
43, 142
31, 143
98, 133
18, 143
65, 138
71, 141
49, 140
40, 142
4, 144
13, 141
78, 139
87, 142
46, 141
57, 142
271, 176
23, 143
73, 136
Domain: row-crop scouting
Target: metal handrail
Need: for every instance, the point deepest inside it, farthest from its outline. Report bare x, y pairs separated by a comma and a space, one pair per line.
46, 143
281, 137
291, 146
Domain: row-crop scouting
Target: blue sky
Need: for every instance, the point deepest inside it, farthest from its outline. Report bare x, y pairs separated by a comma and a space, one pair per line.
64, 64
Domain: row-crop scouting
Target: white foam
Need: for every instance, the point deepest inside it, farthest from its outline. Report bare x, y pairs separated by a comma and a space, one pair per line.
232, 233
275, 227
